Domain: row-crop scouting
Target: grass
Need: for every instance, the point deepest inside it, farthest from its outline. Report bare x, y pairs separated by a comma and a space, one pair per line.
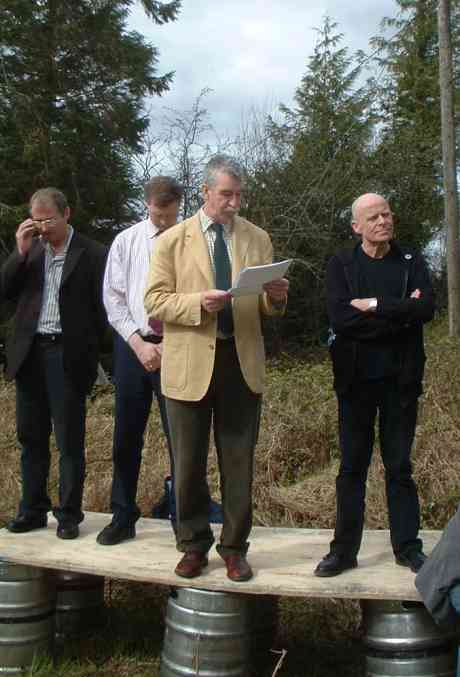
296, 463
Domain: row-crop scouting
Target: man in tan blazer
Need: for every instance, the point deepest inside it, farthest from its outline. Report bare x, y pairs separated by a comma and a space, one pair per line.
213, 362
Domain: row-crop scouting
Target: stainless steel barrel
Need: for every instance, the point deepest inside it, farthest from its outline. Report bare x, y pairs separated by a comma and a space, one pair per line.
27, 616
80, 607
402, 640
438, 664
207, 633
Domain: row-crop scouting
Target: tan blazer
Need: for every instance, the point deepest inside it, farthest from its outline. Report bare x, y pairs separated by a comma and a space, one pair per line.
180, 271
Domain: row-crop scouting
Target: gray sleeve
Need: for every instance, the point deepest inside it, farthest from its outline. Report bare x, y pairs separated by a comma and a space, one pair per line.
440, 572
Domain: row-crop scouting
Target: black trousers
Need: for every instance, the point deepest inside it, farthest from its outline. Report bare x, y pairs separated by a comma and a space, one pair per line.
234, 411
134, 391
397, 417
46, 398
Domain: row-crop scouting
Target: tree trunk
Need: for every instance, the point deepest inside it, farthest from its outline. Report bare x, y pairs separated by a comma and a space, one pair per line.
449, 163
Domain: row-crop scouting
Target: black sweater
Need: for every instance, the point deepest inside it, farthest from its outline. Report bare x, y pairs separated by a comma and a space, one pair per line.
398, 319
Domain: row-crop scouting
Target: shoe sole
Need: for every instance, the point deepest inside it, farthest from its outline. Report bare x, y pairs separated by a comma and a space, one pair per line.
335, 572
68, 538
25, 531
241, 579
121, 540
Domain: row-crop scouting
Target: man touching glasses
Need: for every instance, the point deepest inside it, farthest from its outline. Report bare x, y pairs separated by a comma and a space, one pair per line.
55, 277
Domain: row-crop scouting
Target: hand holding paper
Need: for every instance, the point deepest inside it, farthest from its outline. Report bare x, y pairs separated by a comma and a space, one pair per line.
251, 280
214, 300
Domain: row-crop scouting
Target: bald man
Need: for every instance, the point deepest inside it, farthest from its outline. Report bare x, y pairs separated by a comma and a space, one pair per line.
379, 296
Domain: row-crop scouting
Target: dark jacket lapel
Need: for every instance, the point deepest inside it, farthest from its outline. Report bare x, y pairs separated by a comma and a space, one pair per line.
76, 249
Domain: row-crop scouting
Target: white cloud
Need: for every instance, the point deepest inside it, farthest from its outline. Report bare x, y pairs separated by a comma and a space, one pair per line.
249, 52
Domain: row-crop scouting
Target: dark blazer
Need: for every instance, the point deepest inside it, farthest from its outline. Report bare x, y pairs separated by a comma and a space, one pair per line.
397, 319
82, 312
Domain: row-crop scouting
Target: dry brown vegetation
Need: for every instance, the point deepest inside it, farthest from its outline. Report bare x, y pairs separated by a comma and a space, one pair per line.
297, 454
296, 463
304, 489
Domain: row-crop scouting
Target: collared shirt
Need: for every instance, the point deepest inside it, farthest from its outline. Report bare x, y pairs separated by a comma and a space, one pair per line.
125, 278
49, 321
210, 235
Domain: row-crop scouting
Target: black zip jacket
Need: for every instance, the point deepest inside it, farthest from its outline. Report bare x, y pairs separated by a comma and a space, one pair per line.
398, 319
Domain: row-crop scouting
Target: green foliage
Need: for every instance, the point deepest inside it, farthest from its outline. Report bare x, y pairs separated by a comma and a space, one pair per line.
319, 167
346, 137
72, 85
407, 163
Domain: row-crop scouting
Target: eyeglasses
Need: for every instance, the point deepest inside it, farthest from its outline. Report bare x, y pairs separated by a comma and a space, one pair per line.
44, 222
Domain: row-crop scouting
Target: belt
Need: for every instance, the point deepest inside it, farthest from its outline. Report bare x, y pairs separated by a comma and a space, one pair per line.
152, 338
47, 339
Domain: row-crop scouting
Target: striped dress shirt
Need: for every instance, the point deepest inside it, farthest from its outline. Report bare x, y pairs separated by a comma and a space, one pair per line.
125, 279
49, 321
210, 235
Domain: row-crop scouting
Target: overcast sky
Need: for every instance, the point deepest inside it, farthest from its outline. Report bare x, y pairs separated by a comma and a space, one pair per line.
251, 53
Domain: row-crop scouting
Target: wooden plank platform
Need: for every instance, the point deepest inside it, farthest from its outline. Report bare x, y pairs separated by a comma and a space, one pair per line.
283, 560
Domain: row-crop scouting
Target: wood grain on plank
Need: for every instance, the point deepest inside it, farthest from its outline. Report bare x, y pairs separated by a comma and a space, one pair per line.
283, 560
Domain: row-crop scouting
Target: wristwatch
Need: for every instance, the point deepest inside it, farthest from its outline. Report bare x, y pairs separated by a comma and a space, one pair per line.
372, 304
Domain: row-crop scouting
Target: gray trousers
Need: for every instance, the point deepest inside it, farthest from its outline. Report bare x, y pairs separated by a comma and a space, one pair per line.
234, 411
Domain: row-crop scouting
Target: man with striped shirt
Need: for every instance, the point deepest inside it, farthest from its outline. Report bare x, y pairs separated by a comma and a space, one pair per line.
55, 277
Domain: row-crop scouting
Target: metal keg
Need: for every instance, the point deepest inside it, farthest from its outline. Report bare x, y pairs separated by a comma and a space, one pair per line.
80, 607
206, 634
27, 616
402, 640
422, 664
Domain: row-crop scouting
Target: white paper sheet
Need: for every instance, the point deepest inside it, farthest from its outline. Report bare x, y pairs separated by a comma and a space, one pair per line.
251, 279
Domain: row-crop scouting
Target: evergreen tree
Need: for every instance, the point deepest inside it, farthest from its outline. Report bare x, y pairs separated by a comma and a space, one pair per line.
72, 85
407, 162
332, 127
321, 167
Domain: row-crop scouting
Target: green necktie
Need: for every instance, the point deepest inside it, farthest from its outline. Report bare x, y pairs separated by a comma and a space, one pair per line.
223, 271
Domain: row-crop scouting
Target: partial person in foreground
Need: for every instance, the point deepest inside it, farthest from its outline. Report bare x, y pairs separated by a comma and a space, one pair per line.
438, 581
379, 295
213, 363
55, 277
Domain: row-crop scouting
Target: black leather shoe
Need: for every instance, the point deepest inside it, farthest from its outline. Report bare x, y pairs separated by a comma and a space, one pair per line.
333, 565
67, 531
414, 559
113, 534
23, 523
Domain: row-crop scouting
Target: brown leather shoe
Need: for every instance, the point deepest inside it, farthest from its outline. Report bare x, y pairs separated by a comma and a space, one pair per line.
238, 568
191, 564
